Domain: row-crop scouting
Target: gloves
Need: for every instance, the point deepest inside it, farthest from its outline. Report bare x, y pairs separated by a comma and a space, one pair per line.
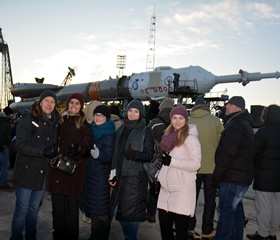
94, 152
73, 147
129, 154
215, 182
50, 151
166, 159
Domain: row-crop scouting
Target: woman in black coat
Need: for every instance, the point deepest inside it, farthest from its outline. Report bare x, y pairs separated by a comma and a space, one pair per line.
96, 196
134, 145
75, 140
36, 144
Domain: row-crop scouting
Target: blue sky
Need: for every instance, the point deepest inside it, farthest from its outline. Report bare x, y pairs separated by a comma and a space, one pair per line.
45, 37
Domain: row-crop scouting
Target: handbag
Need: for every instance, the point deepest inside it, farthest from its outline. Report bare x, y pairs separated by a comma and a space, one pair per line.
155, 186
65, 163
151, 168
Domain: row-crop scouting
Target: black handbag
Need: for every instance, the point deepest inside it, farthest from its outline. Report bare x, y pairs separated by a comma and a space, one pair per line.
155, 187
65, 163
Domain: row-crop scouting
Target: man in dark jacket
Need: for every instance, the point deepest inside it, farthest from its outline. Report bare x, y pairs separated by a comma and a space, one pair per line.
234, 169
267, 175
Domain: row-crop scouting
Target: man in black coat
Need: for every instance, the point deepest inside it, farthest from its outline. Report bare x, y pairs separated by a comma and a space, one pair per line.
234, 169
267, 175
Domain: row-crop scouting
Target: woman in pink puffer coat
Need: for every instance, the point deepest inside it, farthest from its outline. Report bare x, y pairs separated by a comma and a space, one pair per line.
181, 161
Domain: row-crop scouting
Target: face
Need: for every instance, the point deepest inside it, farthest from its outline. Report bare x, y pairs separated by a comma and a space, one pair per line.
133, 114
99, 118
178, 121
47, 105
231, 108
74, 106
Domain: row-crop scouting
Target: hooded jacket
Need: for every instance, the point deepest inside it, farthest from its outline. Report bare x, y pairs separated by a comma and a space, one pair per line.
209, 129
235, 153
267, 160
178, 187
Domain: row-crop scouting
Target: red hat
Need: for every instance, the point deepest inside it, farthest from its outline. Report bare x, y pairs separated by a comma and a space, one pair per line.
77, 96
179, 110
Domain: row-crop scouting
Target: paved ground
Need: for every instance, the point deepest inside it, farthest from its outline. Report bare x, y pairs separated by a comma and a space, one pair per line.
147, 231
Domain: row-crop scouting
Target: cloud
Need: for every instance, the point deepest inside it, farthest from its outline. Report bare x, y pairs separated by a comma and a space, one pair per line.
262, 11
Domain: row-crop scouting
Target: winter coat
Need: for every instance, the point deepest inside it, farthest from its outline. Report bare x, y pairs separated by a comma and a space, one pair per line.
178, 187
96, 193
60, 182
235, 153
158, 125
5, 133
267, 160
209, 129
130, 192
33, 136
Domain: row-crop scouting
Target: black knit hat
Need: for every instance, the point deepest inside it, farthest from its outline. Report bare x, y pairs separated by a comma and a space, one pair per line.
106, 111
48, 93
136, 104
199, 101
237, 101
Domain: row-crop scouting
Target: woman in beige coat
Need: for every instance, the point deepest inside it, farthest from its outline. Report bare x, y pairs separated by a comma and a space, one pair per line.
181, 161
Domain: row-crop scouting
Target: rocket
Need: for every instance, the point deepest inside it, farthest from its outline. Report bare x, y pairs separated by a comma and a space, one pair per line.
163, 82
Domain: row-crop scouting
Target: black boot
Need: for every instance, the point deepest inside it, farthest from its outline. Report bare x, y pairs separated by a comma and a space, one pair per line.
256, 236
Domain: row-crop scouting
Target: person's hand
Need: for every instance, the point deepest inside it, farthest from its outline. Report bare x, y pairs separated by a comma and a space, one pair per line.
94, 152
129, 154
50, 151
73, 146
166, 159
112, 178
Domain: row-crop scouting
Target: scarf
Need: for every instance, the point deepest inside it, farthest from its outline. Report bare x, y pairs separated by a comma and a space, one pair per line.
169, 141
131, 124
104, 129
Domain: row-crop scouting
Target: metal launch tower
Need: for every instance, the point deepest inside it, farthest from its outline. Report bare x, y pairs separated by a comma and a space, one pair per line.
6, 79
150, 65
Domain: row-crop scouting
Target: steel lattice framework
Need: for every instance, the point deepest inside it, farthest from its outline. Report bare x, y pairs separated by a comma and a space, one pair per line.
150, 64
6, 73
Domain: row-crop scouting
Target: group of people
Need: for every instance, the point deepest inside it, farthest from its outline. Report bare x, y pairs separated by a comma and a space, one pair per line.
110, 180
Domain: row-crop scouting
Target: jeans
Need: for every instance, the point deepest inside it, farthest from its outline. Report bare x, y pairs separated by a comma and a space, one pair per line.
4, 166
210, 203
230, 212
130, 229
26, 213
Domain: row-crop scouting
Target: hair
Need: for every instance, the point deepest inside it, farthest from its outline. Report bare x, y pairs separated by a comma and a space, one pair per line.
81, 118
36, 109
183, 133
264, 114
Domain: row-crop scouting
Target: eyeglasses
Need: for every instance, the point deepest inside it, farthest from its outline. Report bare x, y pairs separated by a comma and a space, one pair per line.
100, 115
